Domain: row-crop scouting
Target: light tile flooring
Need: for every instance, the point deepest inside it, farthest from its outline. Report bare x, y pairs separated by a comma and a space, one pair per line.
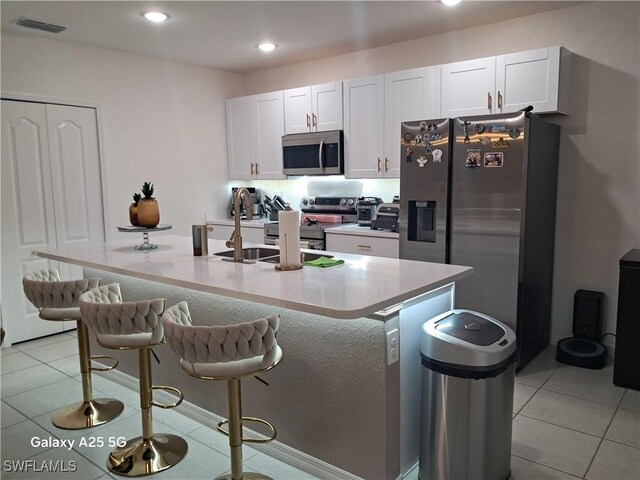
568, 422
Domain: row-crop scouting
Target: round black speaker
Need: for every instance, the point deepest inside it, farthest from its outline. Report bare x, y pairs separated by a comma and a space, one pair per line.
582, 352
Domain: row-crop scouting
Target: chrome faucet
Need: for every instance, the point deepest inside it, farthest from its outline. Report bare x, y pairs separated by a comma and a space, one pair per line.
241, 195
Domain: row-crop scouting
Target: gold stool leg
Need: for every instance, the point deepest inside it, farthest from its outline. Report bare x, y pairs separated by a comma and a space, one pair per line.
234, 414
90, 412
150, 453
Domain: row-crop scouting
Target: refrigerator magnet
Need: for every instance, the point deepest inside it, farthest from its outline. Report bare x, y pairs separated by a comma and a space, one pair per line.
484, 140
408, 155
422, 160
432, 127
437, 156
478, 128
408, 137
473, 158
500, 143
497, 128
493, 159
514, 133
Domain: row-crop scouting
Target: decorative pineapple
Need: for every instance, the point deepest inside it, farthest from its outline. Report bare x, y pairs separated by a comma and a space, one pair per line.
148, 210
133, 210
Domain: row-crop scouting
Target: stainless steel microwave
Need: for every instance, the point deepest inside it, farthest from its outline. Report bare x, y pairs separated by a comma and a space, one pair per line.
317, 153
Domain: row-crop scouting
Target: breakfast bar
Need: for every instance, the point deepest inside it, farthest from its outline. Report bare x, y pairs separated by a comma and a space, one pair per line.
345, 399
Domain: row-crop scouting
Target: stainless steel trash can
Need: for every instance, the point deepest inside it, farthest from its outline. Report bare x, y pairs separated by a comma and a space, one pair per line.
468, 373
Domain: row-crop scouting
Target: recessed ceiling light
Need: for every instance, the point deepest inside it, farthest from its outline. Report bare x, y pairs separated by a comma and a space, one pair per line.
267, 47
156, 17
450, 2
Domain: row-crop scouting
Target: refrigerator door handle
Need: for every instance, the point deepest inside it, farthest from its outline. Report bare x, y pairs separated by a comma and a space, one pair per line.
489, 101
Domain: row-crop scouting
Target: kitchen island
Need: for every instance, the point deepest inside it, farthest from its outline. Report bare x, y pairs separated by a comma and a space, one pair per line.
340, 395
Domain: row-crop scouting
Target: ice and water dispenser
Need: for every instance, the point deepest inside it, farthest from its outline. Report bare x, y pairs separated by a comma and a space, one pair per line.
421, 225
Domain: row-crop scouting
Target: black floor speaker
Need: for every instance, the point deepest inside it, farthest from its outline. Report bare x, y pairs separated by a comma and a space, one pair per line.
584, 348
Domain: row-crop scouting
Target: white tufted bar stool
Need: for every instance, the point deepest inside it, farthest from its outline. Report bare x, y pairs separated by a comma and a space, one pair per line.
228, 353
135, 326
58, 301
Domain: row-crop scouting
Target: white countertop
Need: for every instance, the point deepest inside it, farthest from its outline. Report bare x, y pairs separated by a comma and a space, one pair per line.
259, 223
359, 287
354, 229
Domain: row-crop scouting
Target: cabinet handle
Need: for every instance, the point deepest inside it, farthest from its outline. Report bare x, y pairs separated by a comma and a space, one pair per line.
252, 169
379, 165
489, 101
386, 164
308, 121
368, 247
315, 120
257, 171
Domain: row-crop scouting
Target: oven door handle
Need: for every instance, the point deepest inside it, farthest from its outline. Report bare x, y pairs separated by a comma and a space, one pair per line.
320, 154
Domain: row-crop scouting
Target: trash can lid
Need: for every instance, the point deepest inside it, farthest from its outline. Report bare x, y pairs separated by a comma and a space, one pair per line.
471, 328
631, 259
465, 338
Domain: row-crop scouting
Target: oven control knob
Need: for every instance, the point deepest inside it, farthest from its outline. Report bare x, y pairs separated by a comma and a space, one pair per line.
343, 201
350, 202
311, 201
304, 201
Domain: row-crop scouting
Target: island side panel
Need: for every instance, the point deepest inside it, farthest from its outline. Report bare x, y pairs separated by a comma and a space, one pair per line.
332, 396
412, 316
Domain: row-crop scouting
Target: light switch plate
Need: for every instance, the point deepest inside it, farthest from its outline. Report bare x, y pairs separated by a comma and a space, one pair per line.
393, 346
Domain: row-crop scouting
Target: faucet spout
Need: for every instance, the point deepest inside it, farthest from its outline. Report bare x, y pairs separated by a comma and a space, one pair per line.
235, 241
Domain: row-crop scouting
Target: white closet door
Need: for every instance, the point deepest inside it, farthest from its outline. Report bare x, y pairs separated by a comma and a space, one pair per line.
75, 174
28, 221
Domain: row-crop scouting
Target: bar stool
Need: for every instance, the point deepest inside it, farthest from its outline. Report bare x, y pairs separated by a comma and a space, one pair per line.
58, 301
228, 353
135, 326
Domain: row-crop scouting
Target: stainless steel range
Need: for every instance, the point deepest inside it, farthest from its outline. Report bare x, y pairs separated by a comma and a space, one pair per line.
318, 214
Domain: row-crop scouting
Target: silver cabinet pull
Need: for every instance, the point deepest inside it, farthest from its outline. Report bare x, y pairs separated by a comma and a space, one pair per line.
489, 101
368, 247
379, 165
320, 154
252, 169
315, 120
386, 164
499, 100
257, 171
308, 121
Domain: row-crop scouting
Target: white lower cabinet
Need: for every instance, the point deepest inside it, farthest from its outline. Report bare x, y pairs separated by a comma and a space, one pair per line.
363, 245
223, 231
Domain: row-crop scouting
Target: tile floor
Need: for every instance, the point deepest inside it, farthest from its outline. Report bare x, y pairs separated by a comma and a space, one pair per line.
568, 422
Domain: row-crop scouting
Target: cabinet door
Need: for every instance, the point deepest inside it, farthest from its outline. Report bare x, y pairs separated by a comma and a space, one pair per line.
269, 111
528, 78
468, 88
327, 107
297, 110
364, 127
240, 140
409, 95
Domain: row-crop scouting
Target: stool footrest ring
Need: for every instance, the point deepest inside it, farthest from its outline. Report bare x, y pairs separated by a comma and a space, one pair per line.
251, 440
103, 369
171, 389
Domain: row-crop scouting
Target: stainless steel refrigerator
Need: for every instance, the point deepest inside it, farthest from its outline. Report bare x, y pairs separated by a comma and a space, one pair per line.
481, 191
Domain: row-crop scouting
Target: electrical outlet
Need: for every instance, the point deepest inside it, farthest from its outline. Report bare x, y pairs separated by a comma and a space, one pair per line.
393, 346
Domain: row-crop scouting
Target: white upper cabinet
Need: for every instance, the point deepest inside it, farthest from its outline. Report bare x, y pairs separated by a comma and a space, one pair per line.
538, 78
409, 95
374, 108
255, 126
313, 109
468, 88
508, 83
364, 127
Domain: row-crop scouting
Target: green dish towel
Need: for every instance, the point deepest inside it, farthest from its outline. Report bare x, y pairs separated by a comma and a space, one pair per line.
323, 262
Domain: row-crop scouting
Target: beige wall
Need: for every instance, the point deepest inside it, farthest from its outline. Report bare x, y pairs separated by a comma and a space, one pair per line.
598, 217
162, 121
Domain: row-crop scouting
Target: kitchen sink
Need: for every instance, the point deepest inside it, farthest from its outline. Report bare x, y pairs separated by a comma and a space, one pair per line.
254, 253
304, 257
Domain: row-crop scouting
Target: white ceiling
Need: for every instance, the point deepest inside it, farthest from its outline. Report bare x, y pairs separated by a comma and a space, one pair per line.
223, 34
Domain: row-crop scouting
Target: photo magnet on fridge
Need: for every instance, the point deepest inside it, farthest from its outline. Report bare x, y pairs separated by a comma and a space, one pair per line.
473, 158
493, 159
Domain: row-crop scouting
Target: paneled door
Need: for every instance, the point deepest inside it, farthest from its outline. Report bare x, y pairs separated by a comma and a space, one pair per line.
51, 196
468, 88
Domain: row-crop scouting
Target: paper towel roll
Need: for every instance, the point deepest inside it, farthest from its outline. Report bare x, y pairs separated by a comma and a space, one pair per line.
289, 228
